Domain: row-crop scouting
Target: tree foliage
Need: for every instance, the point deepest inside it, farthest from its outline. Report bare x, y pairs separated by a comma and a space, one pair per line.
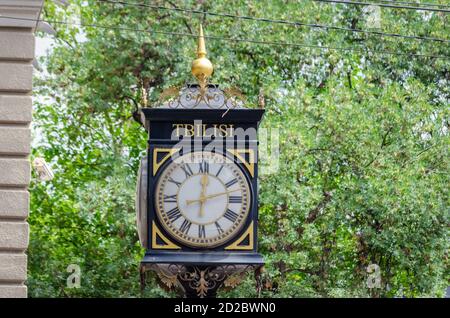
363, 174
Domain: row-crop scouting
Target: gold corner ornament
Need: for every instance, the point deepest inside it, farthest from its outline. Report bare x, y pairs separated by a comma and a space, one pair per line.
168, 153
202, 68
240, 155
237, 245
168, 245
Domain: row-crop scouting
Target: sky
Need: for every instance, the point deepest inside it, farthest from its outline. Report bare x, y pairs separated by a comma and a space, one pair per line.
43, 44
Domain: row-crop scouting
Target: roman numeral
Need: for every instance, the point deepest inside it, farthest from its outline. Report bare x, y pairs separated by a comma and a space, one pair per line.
220, 170
219, 229
231, 182
187, 170
201, 231
234, 199
174, 214
184, 228
170, 198
230, 215
178, 184
204, 167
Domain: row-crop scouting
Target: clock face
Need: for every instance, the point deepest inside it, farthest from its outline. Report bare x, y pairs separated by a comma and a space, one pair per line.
202, 199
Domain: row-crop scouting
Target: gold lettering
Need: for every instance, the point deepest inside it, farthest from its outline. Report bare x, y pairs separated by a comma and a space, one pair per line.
231, 130
223, 130
202, 130
198, 130
178, 128
189, 130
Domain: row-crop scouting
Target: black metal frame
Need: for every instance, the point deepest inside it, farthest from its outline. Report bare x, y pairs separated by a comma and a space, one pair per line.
158, 122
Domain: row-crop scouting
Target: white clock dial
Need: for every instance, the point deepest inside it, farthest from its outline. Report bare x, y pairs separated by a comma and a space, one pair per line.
202, 199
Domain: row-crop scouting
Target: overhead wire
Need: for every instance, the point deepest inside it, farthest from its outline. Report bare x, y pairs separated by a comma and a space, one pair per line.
229, 39
426, 4
385, 5
275, 21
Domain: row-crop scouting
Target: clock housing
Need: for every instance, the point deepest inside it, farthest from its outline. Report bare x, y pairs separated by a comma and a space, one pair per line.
168, 242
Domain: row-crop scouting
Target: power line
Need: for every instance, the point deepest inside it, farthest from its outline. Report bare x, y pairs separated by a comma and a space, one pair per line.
228, 39
438, 5
385, 5
267, 20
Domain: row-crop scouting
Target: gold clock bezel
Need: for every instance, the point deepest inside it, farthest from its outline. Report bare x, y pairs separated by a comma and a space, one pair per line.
230, 234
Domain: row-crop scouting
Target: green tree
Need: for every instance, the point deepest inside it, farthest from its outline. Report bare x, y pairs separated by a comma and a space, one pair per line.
363, 176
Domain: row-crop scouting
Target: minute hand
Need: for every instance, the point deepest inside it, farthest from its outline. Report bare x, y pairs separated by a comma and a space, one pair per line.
210, 196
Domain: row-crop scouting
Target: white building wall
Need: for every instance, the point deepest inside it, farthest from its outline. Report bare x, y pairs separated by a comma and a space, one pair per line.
16, 71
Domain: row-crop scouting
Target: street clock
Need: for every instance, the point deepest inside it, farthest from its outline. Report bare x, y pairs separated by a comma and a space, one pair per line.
197, 201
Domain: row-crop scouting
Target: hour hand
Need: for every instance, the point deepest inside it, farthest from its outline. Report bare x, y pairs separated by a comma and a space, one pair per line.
204, 182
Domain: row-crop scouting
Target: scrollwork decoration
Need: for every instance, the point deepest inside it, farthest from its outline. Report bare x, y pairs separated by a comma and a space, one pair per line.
201, 281
193, 96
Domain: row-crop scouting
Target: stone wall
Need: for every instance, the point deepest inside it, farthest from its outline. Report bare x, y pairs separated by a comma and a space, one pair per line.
16, 55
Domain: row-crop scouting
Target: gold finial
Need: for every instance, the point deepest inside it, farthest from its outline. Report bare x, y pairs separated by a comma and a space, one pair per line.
144, 96
261, 99
201, 47
202, 68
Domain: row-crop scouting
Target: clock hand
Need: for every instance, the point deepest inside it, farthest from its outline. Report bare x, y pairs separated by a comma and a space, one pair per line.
219, 194
204, 182
204, 198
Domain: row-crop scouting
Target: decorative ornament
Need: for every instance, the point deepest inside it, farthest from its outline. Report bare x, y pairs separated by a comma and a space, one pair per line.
202, 68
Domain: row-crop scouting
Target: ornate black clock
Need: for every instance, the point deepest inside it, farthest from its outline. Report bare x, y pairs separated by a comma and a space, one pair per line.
198, 193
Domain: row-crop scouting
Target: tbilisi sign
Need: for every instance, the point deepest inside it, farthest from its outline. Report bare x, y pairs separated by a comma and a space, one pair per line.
197, 199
